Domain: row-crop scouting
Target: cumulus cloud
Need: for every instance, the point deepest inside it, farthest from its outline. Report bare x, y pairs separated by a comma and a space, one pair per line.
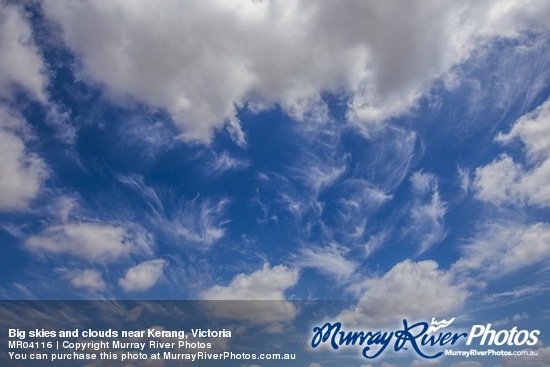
318, 172
268, 283
505, 181
500, 248
259, 296
89, 279
143, 276
21, 64
206, 72
93, 241
21, 172
409, 290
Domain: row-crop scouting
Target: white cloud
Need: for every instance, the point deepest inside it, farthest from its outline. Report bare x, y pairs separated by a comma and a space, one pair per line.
427, 212
534, 131
224, 162
467, 364
497, 182
89, 279
268, 283
419, 363
375, 242
197, 221
386, 158
330, 260
143, 276
94, 241
318, 172
300, 206
205, 71
21, 173
500, 248
541, 359
409, 290
424, 182
505, 181
464, 178
518, 293
357, 200
258, 296
517, 317
20, 64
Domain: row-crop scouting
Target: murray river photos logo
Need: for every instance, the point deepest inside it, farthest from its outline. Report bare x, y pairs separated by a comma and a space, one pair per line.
425, 339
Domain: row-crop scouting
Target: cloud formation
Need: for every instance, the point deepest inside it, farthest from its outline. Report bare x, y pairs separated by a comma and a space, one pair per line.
205, 73
21, 65
505, 181
427, 212
262, 291
268, 283
92, 241
89, 279
143, 276
330, 260
501, 248
409, 290
22, 172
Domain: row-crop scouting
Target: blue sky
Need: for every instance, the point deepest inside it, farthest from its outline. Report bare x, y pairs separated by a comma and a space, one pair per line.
279, 150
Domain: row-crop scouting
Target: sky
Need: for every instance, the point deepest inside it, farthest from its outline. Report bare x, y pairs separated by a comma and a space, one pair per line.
396, 153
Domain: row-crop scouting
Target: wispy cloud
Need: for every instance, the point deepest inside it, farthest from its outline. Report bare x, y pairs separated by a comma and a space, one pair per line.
464, 178
358, 199
224, 162
517, 293
332, 260
197, 221
427, 212
318, 171
386, 157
